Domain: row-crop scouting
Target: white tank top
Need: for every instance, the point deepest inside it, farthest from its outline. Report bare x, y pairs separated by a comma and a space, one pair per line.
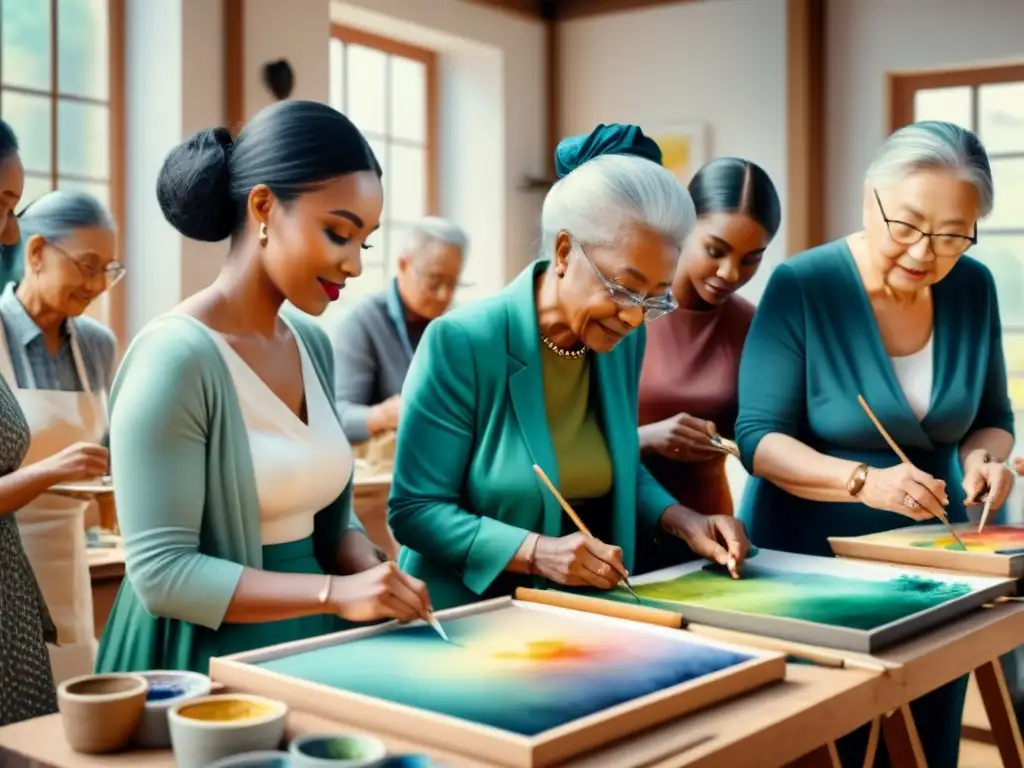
300, 468
915, 373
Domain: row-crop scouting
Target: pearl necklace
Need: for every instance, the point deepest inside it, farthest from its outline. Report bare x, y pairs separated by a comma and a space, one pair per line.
572, 354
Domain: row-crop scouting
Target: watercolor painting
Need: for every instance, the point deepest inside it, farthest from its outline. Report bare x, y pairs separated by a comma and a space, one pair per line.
857, 606
684, 148
998, 550
518, 669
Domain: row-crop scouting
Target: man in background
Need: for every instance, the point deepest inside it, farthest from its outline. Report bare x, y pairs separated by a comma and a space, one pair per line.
375, 341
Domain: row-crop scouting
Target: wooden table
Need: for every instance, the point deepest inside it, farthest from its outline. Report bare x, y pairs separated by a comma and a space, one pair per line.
106, 570
370, 500
770, 727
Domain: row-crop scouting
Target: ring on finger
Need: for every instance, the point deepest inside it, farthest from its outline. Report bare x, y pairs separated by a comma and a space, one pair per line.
910, 502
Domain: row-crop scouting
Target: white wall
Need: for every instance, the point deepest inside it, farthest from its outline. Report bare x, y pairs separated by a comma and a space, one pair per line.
492, 121
867, 39
721, 62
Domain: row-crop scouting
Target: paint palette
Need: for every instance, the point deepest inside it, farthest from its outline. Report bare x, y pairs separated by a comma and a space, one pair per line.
996, 551
521, 684
825, 601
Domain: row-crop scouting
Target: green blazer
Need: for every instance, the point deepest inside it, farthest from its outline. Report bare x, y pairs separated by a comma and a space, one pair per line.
186, 490
464, 495
814, 346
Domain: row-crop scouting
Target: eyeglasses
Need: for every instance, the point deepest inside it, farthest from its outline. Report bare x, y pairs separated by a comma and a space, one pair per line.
653, 306
943, 246
437, 283
111, 272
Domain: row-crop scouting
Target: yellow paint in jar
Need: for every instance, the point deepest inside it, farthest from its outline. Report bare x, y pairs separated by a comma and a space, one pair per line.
225, 710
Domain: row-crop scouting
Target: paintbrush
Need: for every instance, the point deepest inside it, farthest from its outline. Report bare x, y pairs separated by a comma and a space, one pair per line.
577, 522
430, 618
903, 458
985, 511
725, 445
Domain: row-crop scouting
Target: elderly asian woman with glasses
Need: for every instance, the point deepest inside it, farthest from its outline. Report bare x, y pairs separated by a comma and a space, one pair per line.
546, 373
59, 365
896, 313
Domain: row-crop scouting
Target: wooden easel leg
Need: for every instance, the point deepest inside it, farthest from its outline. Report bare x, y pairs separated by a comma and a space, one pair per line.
902, 740
872, 748
1005, 729
825, 756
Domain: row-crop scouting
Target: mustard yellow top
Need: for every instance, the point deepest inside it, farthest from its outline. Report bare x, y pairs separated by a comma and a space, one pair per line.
584, 464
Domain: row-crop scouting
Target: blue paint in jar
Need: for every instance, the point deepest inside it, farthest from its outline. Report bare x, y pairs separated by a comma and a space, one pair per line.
162, 691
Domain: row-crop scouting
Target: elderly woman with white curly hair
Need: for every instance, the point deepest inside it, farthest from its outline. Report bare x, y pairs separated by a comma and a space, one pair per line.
546, 373
898, 314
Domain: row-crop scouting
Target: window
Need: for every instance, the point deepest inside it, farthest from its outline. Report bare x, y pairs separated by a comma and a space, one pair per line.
59, 91
990, 102
388, 89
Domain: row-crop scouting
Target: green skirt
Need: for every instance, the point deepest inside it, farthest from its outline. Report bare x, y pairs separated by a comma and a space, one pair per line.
135, 641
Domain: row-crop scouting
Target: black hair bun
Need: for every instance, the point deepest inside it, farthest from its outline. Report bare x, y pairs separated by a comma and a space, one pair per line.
194, 187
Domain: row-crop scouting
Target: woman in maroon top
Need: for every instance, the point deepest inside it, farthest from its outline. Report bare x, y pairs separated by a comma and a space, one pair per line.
688, 383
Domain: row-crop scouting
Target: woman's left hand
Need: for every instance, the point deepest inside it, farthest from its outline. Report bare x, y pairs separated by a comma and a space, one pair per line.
992, 478
719, 538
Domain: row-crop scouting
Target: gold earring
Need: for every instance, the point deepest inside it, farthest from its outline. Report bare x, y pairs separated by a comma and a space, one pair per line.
263, 235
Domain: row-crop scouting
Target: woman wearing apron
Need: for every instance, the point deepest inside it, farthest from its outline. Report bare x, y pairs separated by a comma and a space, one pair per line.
59, 366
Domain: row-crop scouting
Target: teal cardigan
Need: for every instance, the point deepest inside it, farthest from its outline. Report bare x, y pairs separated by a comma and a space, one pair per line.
814, 346
185, 486
464, 495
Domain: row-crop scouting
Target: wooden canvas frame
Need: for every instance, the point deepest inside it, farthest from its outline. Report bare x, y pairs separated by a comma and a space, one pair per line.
497, 746
984, 588
886, 547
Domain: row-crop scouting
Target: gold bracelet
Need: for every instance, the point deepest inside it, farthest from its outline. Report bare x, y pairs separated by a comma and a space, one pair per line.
325, 593
531, 564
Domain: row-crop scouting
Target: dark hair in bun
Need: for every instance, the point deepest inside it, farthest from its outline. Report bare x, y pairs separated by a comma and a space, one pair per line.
291, 146
734, 185
8, 141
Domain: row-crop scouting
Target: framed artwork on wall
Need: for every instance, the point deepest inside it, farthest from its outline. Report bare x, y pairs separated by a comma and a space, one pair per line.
685, 147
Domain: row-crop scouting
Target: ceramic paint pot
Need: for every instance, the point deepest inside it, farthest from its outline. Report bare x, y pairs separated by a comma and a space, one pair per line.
405, 761
100, 712
209, 728
166, 688
336, 750
254, 760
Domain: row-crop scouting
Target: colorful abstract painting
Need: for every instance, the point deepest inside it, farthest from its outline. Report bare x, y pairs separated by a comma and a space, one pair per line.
995, 539
684, 148
820, 600
518, 669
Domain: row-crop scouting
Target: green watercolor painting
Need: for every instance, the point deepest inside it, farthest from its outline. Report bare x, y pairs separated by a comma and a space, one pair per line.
822, 598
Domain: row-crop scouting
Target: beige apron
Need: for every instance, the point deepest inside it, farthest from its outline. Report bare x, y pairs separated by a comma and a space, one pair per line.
53, 526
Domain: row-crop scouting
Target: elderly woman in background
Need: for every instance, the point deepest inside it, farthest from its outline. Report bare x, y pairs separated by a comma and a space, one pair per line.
60, 365
546, 373
897, 313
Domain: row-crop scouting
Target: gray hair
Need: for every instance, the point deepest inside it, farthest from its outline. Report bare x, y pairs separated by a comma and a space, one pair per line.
933, 144
601, 196
435, 229
58, 214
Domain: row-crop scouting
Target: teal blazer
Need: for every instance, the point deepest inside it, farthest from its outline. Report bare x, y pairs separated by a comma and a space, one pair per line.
814, 345
464, 495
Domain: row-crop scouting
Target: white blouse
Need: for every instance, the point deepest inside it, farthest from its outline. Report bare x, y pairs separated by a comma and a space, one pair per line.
915, 373
300, 467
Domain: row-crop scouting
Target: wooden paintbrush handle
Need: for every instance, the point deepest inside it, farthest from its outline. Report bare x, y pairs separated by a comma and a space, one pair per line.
642, 613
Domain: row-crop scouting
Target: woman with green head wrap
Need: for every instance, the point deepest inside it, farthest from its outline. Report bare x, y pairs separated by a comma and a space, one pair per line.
545, 373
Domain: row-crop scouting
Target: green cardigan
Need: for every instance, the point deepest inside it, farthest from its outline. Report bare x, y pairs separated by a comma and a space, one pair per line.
186, 489
464, 495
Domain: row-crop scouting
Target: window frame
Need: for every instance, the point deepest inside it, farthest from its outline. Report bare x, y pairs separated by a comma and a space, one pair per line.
353, 36
115, 299
903, 86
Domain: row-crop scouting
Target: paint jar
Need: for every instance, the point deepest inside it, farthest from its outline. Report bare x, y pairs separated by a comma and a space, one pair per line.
166, 689
405, 761
336, 750
254, 760
209, 728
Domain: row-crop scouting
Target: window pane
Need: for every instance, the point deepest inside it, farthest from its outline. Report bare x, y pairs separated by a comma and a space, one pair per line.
25, 43
380, 150
1008, 179
83, 147
35, 187
1001, 117
29, 116
100, 191
366, 88
408, 99
407, 184
337, 74
82, 48
1004, 255
950, 104
398, 240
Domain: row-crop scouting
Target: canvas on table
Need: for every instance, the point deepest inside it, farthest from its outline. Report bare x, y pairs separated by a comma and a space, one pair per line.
825, 601
997, 551
521, 684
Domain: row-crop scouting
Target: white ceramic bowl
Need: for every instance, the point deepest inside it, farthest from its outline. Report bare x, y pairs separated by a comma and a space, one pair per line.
153, 731
198, 738
254, 760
